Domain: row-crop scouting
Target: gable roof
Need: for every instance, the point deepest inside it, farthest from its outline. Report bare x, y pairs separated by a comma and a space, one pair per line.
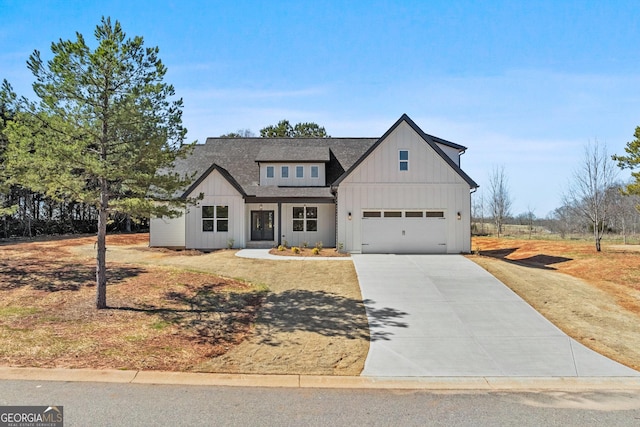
430, 140
237, 160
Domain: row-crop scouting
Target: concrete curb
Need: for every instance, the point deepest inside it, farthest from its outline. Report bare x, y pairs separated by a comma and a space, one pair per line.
316, 381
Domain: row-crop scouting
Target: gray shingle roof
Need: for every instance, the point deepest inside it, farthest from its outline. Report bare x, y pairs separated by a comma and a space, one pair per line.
237, 157
284, 153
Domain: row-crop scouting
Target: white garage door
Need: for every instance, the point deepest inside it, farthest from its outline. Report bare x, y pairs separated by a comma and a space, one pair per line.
404, 232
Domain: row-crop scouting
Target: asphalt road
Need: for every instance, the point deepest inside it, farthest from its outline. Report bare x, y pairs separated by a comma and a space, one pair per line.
105, 404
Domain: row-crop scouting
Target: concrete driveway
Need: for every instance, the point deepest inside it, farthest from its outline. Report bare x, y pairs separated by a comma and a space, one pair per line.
443, 315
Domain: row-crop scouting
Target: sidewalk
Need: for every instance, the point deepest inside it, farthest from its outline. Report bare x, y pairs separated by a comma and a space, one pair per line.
314, 381
264, 254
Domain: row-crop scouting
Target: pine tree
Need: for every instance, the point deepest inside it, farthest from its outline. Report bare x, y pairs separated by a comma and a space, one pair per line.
104, 126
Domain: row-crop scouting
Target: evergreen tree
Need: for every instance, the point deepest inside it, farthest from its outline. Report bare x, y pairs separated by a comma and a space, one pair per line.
104, 126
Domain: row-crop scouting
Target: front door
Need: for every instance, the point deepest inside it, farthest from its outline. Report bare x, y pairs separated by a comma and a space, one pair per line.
261, 225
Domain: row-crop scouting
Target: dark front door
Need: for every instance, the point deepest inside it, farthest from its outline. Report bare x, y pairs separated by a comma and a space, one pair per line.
261, 225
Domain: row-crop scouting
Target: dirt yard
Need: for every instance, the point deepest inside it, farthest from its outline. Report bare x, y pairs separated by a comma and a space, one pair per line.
593, 297
183, 311
215, 312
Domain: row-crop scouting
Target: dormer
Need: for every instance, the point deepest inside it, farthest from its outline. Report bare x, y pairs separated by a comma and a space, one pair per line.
291, 166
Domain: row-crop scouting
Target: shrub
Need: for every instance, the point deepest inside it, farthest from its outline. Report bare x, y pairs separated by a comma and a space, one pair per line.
285, 243
230, 243
315, 251
280, 248
305, 245
340, 247
295, 250
319, 245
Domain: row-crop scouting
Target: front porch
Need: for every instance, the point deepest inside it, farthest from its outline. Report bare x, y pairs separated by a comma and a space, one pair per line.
290, 223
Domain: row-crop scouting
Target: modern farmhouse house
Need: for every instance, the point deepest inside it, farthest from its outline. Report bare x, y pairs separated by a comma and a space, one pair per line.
401, 193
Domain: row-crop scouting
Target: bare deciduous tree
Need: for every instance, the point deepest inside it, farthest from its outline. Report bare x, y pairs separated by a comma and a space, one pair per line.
478, 212
499, 197
623, 209
588, 193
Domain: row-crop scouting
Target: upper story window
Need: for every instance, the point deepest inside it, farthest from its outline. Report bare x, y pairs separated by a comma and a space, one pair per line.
270, 172
315, 172
284, 171
403, 157
299, 171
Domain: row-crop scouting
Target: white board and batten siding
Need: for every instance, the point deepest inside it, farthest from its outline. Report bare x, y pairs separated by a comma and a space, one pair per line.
326, 228
430, 185
293, 180
217, 191
167, 232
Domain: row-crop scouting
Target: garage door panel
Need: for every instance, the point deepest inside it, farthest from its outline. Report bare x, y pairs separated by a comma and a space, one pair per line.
404, 235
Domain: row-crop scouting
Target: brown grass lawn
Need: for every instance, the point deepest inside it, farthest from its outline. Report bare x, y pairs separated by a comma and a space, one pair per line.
183, 311
593, 297
215, 312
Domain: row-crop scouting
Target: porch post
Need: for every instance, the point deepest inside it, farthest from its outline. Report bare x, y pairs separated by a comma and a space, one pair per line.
279, 223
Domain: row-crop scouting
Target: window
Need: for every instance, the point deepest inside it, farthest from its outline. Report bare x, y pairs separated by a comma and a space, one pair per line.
393, 214
315, 172
299, 171
207, 218
305, 218
434, 214
222, 218
270, 172
215, 218
284, 171
413, 214
371, 214
403, 156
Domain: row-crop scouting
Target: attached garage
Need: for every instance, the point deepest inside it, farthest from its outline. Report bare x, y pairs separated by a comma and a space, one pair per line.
406, 194
404, 231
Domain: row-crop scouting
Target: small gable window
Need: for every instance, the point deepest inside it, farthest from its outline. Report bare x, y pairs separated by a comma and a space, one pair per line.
315, 172
403, 156
270, 172
284, 171
299, 171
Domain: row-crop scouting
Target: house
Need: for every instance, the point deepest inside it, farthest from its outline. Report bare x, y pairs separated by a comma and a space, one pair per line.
401, 193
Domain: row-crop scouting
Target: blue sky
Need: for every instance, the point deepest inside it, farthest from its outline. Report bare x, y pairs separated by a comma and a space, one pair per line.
524, 85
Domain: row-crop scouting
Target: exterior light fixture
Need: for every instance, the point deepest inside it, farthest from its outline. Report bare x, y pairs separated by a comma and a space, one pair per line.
349, 216
260, 206
459, 216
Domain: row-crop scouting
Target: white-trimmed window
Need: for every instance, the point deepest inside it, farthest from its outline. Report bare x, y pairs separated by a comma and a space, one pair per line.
271, 172
305, 218
284, 172
299, 171
403, 158
315, 172
215, 219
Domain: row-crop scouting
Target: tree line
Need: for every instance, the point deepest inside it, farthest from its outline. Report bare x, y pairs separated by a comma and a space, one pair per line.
595, 201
